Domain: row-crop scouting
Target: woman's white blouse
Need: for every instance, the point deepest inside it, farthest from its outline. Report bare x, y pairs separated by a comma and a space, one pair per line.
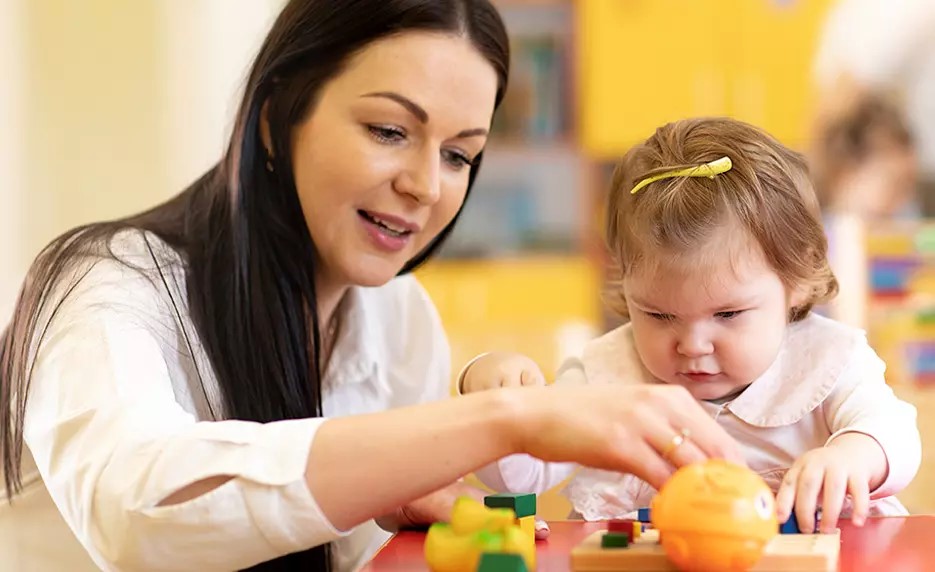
123, 410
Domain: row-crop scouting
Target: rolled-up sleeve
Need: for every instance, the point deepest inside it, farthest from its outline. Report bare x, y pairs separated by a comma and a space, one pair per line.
111, 441
862, 402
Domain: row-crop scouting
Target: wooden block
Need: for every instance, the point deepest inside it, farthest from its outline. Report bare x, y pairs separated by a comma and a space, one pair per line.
643, 515
523, 504
495, 562
792, 552
637, 529
623, 525
528, 525
615, 540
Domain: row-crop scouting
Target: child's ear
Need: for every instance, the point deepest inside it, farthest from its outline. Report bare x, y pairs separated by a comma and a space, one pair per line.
799, 296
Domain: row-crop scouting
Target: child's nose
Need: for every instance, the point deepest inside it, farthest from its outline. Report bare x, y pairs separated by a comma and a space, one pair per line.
693, 343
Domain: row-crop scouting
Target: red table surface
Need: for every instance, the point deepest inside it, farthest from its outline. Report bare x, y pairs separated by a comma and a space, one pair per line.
899, 544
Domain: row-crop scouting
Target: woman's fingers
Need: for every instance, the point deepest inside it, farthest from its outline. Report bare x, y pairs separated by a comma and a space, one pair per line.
641, 459
709, 437
681, 450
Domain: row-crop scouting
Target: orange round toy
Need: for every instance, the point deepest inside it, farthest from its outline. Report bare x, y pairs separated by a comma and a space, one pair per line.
714, 516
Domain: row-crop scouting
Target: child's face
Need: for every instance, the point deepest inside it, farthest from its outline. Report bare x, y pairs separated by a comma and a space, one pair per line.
713, 328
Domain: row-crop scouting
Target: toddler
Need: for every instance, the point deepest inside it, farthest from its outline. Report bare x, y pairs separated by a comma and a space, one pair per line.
716, 232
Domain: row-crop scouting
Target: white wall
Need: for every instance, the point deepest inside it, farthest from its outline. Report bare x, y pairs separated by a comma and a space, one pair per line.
11, 142
211, 46
108, 107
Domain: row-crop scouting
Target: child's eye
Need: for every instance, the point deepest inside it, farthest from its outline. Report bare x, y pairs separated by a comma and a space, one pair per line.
386, 134
728, 315
659, 317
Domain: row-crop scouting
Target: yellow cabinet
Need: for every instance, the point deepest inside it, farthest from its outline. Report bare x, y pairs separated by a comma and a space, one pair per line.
770, 75
642, 63
543, 307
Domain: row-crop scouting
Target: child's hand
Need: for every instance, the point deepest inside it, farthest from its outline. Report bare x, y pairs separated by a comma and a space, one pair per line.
501, 369
852, 464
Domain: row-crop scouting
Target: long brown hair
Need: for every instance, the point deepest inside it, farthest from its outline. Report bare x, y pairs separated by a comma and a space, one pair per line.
249, 264
767, 191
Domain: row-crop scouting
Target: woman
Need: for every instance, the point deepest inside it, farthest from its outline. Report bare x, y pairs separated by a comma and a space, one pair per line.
238, 378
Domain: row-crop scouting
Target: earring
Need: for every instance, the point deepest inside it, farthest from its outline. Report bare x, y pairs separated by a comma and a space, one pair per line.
269, 164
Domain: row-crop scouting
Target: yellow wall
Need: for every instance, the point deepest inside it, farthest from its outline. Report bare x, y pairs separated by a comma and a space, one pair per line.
95, 145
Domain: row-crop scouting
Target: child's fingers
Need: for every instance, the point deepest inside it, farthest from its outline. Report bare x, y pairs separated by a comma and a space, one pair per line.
860, 495
531, 378
785, 496
512, 379
542, 530
809, 487
835, 489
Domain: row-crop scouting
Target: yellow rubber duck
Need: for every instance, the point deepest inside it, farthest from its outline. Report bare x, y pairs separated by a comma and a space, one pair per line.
474, 530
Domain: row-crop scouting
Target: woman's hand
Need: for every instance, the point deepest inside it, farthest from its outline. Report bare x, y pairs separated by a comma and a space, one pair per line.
501, 369
433, 507
645, 430
436, 507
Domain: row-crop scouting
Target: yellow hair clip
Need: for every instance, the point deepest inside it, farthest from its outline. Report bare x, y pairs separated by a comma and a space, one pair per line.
709, 170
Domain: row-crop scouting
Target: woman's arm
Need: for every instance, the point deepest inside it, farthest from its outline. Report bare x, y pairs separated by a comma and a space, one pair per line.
137, 477
366, 465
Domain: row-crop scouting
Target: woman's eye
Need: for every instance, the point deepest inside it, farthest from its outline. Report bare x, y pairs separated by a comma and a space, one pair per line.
456, 159
386, 134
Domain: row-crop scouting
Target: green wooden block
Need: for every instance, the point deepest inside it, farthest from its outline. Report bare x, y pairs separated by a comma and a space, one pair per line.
615, 540
492, 562
523, 504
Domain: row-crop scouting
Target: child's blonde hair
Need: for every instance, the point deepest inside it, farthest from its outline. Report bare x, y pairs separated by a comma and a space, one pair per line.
767, 192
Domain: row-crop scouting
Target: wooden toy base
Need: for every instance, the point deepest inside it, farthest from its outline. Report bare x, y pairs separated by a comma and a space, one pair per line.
808, 552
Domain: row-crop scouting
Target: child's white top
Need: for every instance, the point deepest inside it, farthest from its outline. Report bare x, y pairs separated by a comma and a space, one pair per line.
116, 422
825, 381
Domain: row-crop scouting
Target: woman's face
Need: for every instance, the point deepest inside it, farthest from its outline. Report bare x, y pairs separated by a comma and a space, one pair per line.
382, 161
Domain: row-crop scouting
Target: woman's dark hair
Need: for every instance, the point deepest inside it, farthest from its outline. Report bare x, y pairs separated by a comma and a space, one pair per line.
249, 255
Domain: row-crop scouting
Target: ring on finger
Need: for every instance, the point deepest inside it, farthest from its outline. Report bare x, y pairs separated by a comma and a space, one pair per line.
675, 443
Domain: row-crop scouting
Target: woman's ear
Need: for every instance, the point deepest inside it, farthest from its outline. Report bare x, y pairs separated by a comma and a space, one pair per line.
264, 130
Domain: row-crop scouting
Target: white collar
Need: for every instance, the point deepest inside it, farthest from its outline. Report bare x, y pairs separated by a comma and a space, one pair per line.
356, 354
813, 355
